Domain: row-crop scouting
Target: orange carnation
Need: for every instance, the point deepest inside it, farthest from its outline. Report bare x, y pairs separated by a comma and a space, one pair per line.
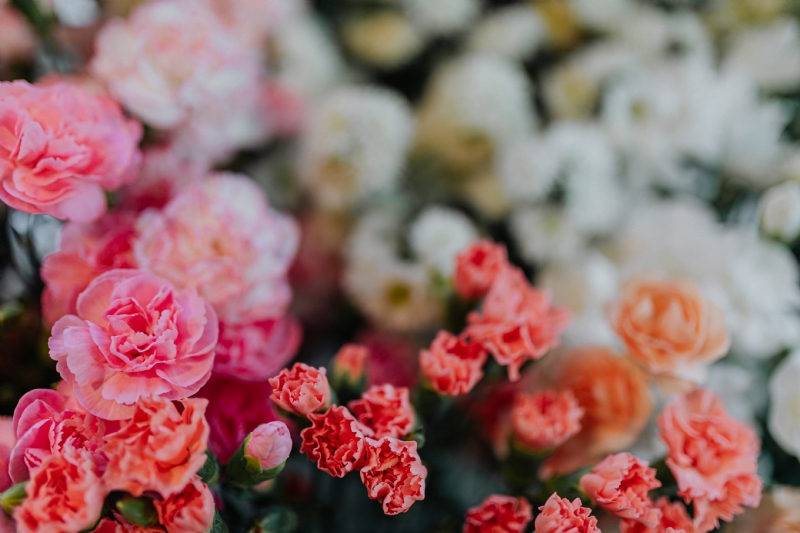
499, 514
670, 328
545, 419
453, 365
673, 518
189, 511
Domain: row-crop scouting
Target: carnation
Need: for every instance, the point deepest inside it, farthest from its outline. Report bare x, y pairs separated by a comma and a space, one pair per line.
784, 422
191, 510
334, 440
437, 236
546, 419
257, 351
673, 517
301, 390
452, 365
559, 515
477, 267
385, 411
499, 514
393, 474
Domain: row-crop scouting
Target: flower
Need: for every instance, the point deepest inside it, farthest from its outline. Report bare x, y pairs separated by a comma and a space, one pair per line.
191, 510
7, 441
334, 440
673, 517
780, 211
65, 493
477, 267
770, 53
385, 39
257, 351
670, 328
559, 515
270, 444
384, 411
614, 394
779, 512
220, 237
393, 474
438, 234
84, 252
452, 365
134, 336
120, 525
516, 322
350, 363
447, 17
159, 449
499, 514
61, 147
18, 40
784, 418
545, 419
619, 484
515, 32
712, 456
301, 390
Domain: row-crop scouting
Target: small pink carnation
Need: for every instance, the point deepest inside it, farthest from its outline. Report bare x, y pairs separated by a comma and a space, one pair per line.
17, 39
334, 441
559, 515
499, 514
259, 350
393, 474
452, 365
270, 443
188, 511
7, 442
546, 419
301, 390
385, 411
477, 267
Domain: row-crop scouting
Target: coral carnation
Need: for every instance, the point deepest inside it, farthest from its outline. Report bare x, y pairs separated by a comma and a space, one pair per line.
673, 518
350, 362
499, 514
619, 484
546, 419
452, 365
61, 147
135, 336
385, 411
334, 440
393, 474
477, 267
257, 351
189, 511
301, 390
559, 515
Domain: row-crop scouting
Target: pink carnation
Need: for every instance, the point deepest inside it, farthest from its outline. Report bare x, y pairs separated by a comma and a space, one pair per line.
452, 365
220, 237
270, 443
120, 525
673, 518
334, 441
517, 322
619, 484
84, 252
301, 390
134, 337
393, 474
385, 411
189, 511
546, 419
257, 351
17, 39
499, 514
350, 362
255, 20
61, 147
477, 267
7, 442
559, 515
712, 456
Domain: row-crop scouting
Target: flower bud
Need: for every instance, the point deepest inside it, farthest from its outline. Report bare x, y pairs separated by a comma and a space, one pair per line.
138, 511
349, 369
261, 456
12, 497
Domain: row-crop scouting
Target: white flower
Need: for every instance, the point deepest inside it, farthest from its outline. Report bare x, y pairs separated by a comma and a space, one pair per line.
784, 413
780, 211
442, 17
438, 235
385, 38
771, 54
544, 234
515, 32
602, 15
355, 145
655, 34
742, 389
528, 168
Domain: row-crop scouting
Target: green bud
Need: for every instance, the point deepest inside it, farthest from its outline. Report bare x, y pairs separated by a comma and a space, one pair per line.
211, 470
13, 497
246, 472
138, 511
278, 520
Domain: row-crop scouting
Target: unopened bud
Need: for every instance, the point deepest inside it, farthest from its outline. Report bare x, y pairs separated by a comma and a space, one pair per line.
138, 511
349, 371
13, 497
261, 456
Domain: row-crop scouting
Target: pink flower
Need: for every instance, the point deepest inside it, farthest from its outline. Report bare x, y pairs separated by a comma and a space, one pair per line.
188, 511
257, 351
301, 390
220, 237
120, 525
334, 440
270, 443
452, 365
65, 493
619, 484
7, 442
559, 515
159, 449
517, 322
134, 337
673, 518
61, 147
546, 419
17, 40
499, 514
350, 362
477, 267
385, 411
392, 358
255, 20
393, 474
712, 456
84, 252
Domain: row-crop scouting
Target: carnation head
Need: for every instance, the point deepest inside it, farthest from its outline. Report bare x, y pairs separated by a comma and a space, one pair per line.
546, 419
393, 474
334, 441
301, 390
452, 365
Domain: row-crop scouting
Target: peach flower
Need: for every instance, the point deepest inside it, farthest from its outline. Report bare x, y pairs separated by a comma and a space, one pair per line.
670, 328
134, 336
259, 350
517, 322
619, 484
7, 442
779, 512
61, 147
301, 390
350, 362
189, 511
393, 474
17, 39
220, 237
499, 514
673, 517
65, 493
546, 419
120, 525
712, 456
452, 365
270, 444
159, 449
334, 440
384, 411
84, 252
614, 395
477, 267
559, 515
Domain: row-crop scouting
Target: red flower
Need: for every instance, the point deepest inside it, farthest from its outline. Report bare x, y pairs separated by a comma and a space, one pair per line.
302, 390
499, 514
385, 411
673, 518
546, 419
453, 365
189, 511
394, 474
477, 267
620, 485
559, 515
334, 440
517, 322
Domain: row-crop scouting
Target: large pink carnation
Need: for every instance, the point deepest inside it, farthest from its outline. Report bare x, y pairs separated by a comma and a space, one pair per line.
134, 336
61, 147
257, 351
220, 237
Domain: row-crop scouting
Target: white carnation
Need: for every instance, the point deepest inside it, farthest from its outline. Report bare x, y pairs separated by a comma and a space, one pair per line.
771, 54
780, 211
438, 235
515, 32
442, 17
784, 413
544, 234
528, 168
